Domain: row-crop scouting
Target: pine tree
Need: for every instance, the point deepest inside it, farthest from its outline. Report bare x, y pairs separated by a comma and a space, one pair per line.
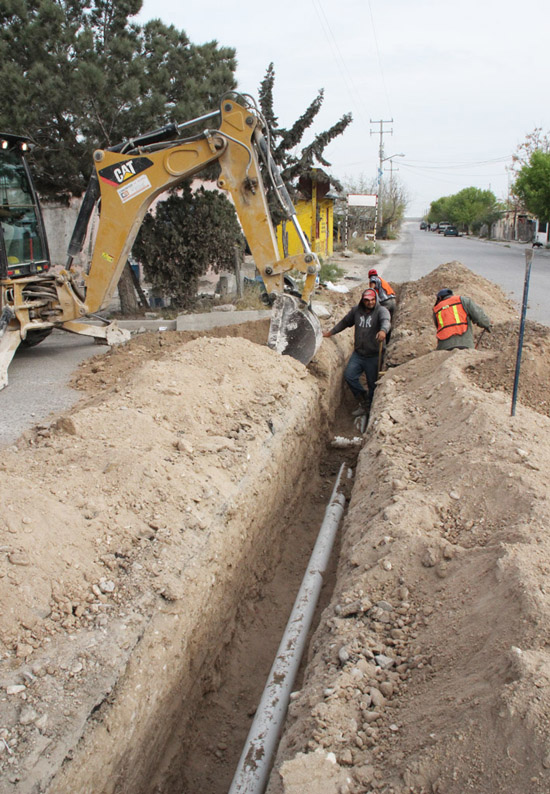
285, 141
79, 75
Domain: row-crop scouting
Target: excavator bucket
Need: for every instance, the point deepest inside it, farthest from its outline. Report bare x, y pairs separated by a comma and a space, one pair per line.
295, 329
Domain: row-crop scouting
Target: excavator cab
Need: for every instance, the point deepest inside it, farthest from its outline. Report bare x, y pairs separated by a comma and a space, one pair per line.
23, 244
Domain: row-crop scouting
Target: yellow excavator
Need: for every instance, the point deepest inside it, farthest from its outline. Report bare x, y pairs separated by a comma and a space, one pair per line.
37, 296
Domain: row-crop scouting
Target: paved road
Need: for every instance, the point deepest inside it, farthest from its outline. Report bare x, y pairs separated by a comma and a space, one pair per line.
39, 377
417, 253
39, 382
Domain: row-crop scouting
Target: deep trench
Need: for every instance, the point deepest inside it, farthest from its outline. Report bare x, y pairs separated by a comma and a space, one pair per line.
203, 753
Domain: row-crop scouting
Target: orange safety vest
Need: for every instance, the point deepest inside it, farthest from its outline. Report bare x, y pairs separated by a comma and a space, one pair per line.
387, 289
451, 317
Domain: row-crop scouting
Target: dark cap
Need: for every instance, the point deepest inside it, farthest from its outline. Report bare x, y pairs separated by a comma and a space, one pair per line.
442, 294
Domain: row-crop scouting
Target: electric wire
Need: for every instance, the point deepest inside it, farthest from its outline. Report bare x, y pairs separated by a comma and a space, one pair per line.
382, 77
419, 164
340, 62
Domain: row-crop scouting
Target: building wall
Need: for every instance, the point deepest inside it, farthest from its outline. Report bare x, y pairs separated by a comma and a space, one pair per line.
59, 222
514, 226
320, 237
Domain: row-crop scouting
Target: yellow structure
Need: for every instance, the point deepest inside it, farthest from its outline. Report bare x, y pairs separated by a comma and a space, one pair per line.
315, 214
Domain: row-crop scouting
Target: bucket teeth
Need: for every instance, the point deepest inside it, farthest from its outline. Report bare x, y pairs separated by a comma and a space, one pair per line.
295, 329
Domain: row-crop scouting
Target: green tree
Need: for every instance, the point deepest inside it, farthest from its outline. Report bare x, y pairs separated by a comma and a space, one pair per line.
188, 234
536, 141
284, 142
532, 184
470, 209
78, 75
439, 210
473, 208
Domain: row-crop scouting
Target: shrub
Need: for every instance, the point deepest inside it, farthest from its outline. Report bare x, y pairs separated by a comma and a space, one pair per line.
330, 271
369, 247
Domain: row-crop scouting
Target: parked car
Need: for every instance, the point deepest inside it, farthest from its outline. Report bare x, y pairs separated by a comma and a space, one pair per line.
451, 231
442, 226
423, 224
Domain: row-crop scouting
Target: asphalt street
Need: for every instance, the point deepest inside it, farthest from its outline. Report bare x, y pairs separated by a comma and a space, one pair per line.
417, 253
39, 377
38, 384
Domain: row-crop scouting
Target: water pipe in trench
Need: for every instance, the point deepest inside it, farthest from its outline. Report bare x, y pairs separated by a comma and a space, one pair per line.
261, 744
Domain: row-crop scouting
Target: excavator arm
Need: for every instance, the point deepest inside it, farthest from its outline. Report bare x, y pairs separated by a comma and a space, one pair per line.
126, 181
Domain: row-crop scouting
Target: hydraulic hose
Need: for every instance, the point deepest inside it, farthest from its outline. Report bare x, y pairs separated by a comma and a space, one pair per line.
280, 188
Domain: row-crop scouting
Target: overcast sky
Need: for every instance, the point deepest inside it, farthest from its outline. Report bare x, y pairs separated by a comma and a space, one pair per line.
464, 82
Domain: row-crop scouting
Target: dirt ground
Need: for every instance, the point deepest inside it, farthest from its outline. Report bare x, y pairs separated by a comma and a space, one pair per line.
124, 524
429, 672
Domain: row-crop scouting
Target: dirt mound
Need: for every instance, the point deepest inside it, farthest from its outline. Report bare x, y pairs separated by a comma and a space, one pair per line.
430, 670
497, 372
109, 369
133, 528
413, 333
117, 517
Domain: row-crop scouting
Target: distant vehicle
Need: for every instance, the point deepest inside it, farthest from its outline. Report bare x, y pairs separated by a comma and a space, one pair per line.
451, 231
423, 225
442, 226
433, 227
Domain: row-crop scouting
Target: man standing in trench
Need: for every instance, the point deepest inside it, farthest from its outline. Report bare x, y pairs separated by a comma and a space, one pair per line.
372, 324
454, 316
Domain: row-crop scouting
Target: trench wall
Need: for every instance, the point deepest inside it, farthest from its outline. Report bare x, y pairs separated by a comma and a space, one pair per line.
423, 672
171, 664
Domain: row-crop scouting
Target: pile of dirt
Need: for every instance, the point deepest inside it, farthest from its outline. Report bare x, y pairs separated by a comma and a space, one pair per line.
126, 524
413, 334
430, 671
139, 509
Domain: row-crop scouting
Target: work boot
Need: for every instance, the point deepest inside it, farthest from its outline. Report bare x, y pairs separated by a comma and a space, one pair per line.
362, 408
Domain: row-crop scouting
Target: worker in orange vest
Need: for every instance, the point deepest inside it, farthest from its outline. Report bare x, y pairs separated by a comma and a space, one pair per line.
386, 295
385, 292
454, 316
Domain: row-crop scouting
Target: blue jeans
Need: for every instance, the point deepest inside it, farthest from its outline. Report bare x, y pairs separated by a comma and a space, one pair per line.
355, 367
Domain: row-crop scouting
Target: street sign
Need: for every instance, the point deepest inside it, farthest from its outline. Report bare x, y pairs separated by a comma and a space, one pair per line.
362, 199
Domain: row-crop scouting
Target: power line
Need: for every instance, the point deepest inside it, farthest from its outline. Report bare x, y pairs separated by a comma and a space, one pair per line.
340, 62
446, 166
383, 79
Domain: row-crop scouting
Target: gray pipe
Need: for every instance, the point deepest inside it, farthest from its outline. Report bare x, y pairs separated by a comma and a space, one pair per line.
263, 738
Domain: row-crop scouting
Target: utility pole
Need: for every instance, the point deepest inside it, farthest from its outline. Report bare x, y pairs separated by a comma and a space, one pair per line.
391, 198
381, 132
391, 169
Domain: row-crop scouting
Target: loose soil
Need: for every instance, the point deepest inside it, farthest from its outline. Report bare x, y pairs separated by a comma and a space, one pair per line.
141, 532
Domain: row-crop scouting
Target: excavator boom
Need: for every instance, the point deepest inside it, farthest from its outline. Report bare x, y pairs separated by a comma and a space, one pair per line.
126, 180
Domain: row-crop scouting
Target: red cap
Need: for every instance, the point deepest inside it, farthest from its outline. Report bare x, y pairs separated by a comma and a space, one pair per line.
368, 293
373, 273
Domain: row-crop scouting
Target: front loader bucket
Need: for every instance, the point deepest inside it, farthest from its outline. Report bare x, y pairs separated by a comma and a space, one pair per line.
10, 339
295, 329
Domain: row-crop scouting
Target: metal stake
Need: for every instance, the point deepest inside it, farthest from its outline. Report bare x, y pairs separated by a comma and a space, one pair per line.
528, 260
